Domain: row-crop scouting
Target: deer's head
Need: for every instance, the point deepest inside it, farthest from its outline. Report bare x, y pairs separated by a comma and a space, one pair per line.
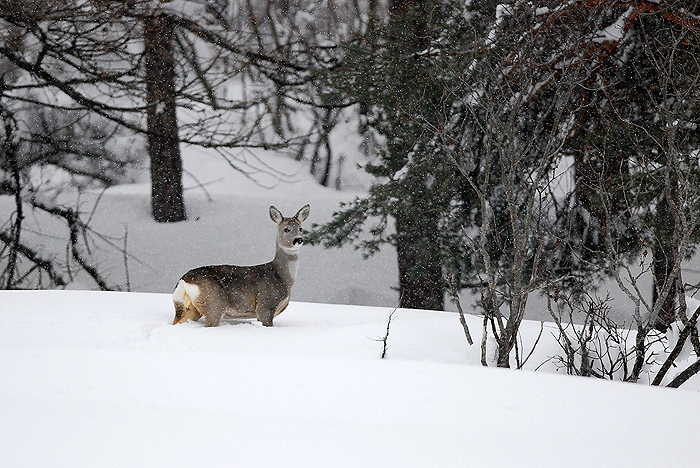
289, 233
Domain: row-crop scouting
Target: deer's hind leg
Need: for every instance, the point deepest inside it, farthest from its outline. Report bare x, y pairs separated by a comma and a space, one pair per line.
183, 313
211, 303
185, 307
201, 298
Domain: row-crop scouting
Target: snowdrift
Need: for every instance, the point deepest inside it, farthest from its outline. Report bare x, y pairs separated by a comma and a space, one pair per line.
102, 379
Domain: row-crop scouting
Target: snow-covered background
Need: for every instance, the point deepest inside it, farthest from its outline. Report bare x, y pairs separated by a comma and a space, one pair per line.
95, 379
228, 223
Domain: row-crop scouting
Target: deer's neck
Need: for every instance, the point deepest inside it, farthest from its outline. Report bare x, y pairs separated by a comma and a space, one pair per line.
286, 263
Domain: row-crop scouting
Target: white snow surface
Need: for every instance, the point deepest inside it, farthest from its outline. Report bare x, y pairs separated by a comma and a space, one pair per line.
99, 379
95, 379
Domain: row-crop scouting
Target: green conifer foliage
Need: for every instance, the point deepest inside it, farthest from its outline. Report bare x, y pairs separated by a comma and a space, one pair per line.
396, 73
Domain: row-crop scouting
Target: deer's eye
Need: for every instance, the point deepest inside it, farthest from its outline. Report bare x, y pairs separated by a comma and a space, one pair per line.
286, 229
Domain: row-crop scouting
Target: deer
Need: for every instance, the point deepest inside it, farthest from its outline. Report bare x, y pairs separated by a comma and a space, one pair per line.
244, 292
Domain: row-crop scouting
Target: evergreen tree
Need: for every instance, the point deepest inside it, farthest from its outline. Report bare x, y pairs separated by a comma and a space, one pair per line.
396, 72
640, 111
482, 106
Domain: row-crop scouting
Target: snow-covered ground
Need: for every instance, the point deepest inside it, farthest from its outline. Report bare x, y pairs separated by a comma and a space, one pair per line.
94, 379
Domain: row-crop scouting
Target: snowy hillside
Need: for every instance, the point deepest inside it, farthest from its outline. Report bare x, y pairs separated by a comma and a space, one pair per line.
228, 223
92, 379
102, 379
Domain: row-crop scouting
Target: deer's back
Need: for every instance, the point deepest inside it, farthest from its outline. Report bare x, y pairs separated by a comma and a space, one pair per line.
241, 285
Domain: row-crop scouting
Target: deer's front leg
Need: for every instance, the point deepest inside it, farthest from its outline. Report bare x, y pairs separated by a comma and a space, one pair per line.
265, 316
265, 310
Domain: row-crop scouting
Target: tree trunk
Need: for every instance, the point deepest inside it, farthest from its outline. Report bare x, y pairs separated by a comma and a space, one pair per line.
420, 269
167, 202
663, 266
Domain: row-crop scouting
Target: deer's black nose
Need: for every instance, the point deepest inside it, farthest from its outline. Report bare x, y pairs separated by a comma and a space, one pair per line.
298, 240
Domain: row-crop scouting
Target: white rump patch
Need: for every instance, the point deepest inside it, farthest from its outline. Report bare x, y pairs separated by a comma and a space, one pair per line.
186, 289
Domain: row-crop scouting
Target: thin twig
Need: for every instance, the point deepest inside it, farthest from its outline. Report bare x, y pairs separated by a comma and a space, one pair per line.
385, 338
533, 346
126, 257
455, 297
682, 337
76, 227
35, 258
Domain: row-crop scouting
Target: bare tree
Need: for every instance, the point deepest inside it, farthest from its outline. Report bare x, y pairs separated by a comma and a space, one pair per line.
87, 159
129, 60
637, 183
505, 137
594, 345
71, 68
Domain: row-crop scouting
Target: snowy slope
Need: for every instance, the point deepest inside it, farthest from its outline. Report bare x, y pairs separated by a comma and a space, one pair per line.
228, 223
90, 379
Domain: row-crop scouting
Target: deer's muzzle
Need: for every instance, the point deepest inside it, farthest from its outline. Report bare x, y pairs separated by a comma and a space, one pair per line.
298, 240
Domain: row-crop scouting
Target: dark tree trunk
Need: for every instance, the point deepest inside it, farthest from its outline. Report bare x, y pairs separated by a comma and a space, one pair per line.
421, 284
420, 269
167, 202
663, 266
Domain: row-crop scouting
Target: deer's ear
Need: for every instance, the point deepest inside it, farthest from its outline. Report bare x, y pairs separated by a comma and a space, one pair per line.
303, 213
276, 215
